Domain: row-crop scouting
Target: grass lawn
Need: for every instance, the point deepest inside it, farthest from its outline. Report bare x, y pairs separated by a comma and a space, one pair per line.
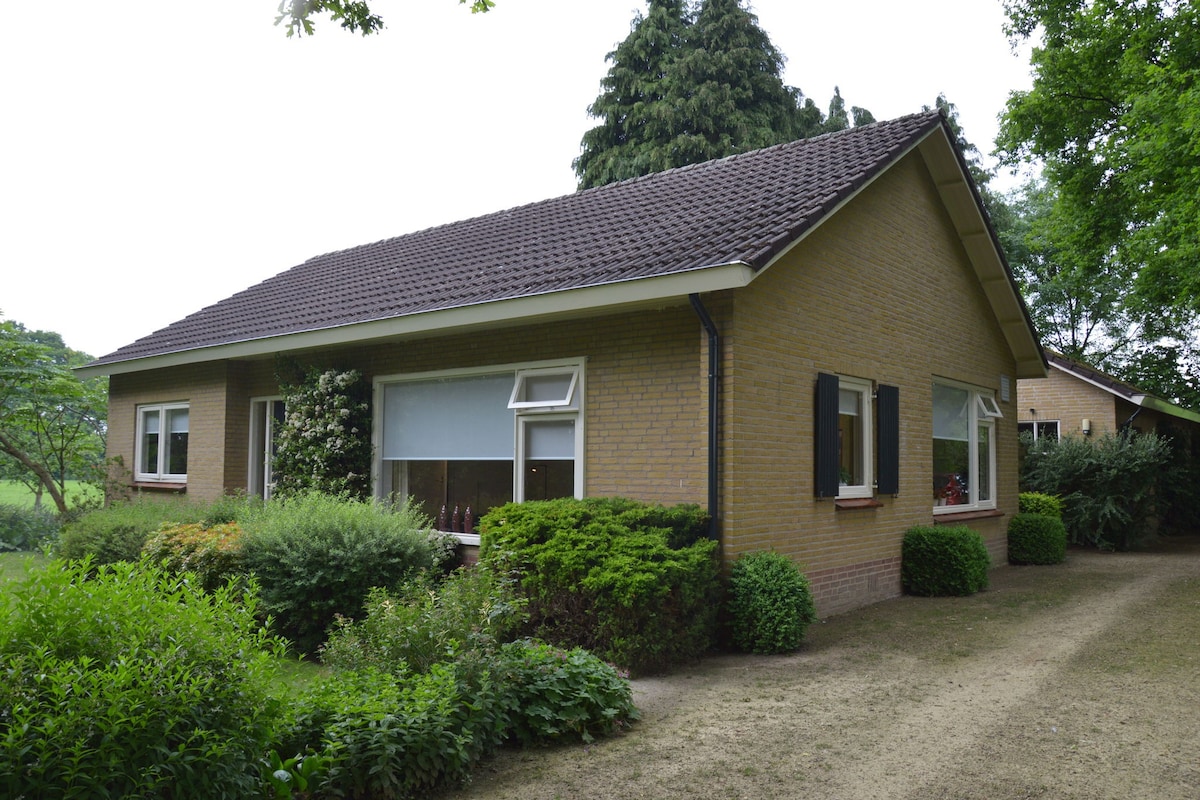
12, 565
15, 493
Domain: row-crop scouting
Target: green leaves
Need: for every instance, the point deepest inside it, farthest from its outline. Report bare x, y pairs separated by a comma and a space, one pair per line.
770, 603
1112, 114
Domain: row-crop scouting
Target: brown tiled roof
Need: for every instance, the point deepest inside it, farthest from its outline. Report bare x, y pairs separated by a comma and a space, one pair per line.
744, 208
1090, 373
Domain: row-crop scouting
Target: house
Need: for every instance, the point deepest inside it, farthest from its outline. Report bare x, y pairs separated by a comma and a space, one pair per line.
1079, 400
819, 341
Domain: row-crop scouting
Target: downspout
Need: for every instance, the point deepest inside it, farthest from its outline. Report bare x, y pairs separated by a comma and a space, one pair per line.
714, 384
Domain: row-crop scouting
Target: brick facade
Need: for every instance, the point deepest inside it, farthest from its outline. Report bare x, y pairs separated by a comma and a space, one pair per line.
883, 291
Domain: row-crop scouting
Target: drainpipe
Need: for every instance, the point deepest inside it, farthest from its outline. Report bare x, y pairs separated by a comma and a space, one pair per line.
714, 382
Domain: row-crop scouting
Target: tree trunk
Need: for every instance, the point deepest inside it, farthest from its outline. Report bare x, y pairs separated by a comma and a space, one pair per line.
9, 446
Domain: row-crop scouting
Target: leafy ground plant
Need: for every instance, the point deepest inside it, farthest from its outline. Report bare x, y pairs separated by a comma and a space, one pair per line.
121, 681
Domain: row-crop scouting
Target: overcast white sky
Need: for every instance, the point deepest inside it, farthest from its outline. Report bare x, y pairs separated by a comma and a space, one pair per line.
157, 156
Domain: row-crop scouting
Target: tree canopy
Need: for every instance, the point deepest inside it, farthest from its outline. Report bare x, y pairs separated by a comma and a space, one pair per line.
353, 15
1114, 116
691, 84
51, 424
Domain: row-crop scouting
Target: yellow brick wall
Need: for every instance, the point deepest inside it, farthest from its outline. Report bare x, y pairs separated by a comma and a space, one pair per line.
883, 291
203, 388
645, 404
1069, 400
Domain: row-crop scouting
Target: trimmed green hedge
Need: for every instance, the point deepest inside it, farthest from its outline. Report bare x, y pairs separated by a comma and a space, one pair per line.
602, 574
943, 560
1039, 503
770, 603
1036, 539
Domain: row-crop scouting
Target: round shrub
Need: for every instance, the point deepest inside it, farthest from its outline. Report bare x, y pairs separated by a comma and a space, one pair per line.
770, 603
317, 556
212, 553
118, 532
594, 577
943, 560
1036, 539
558, 695
1039, 503
131, 683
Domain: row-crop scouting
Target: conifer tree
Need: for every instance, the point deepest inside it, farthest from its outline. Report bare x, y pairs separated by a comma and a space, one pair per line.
637, 122
693, 84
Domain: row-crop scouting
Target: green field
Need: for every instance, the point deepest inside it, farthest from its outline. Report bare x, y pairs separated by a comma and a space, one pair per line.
15, 493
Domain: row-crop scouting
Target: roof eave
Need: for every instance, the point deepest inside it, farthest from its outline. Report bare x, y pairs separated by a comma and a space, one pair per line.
965, 207
578, 302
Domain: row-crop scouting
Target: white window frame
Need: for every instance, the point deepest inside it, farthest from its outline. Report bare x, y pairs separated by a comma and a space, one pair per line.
260, 469
865, 390
568, 407
1036, 426
983, 412
160, 475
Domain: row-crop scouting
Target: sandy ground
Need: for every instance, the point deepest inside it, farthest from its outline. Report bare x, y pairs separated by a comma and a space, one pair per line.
1074, 681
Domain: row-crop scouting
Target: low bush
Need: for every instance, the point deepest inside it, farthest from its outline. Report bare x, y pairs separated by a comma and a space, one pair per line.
1038, 503
387, 737
943, 560
118, 532
318, 556
1109, 484
25, 528
212, 553
132, 683
1036, 539
470, 612
602, 575
557, 695
770, 603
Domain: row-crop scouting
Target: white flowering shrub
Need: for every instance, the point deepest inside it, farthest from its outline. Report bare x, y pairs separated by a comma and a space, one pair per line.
324, 443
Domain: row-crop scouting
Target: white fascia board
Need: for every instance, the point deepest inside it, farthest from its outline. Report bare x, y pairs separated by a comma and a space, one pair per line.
580, 302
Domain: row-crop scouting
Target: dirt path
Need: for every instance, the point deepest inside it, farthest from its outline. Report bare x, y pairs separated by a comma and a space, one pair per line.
1076, 681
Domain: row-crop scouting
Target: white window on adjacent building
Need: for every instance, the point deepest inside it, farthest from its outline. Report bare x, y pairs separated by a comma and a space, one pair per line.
475, 440
964, 447
1040, 429
266, 415
162, 443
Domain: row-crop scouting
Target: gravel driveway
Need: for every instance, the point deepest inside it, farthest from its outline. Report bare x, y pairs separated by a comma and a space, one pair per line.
1074, 681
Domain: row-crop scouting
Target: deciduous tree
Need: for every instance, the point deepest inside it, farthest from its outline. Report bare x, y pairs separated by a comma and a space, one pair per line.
355, 16
51, 424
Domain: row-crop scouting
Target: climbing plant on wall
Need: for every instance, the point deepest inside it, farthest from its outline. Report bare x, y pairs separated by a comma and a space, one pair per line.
324, 443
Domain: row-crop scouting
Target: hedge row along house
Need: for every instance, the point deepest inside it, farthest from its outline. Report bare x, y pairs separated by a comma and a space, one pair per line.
818, 341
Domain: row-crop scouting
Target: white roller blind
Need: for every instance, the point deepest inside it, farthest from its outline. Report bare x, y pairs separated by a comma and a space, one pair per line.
951, 413
550, 440
177, 420
453, 419
848, 402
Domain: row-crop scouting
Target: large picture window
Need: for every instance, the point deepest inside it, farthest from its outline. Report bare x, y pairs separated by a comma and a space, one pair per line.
476, 440
964, 447
162, 443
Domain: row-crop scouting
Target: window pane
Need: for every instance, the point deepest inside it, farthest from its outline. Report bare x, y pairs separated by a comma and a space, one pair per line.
984, 491
549, 480
951, 468
149, 462
951, 413
850, 438
175, 460
550, 439
478, 485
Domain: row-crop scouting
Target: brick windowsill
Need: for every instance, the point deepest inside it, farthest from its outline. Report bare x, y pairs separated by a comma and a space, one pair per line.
158, 486
966, 516
857, 502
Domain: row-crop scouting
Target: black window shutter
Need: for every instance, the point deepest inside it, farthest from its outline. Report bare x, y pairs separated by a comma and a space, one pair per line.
827, 435
887, 416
